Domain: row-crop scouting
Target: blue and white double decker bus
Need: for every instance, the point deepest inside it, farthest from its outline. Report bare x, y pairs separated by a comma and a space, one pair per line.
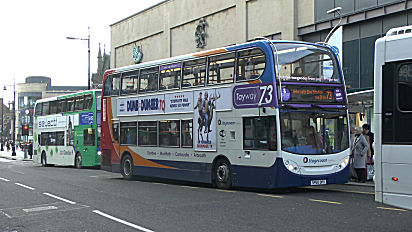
266, 114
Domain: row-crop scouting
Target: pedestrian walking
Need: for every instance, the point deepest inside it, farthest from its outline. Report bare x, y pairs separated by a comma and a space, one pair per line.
359, 151
30, 149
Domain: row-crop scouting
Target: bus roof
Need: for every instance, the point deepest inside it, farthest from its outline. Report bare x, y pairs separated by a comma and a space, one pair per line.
262, 41
68, 95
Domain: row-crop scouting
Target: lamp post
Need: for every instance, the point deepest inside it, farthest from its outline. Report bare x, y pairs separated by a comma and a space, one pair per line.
88, 51
13, 148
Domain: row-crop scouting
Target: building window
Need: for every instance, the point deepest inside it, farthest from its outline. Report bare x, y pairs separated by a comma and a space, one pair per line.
148, 80
221, 69
194, 73
147, 133
187, 133
259, 133
170, 76
169, 133
128, 133
251, 64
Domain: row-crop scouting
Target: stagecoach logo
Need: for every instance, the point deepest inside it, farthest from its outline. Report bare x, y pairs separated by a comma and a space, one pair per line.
314, 161
305, 160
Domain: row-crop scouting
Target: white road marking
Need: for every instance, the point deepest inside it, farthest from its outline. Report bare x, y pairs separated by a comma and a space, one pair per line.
25, 186
4, 179
122, 221
59, 198
37, 209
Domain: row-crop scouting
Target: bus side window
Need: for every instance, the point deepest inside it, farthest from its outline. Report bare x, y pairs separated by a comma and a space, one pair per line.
259, 133
148, 80
115, 85
169, 133
53, 107
108, 86
147, 134
170, 76
129, 82
221, 69
115, 132
70, 105
88, 102
187, 133
79, 104
251, 64
89, 136
194, 73
45, 108
128, 133
37, 111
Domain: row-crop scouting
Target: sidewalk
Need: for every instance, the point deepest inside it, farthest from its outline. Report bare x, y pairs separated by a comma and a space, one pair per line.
19, 155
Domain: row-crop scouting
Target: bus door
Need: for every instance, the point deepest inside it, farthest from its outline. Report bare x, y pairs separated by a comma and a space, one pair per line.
397, 126
115, 141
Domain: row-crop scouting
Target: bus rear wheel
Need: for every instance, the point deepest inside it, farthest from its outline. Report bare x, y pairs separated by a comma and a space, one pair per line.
127, 167
222, 174
43, 159
78, 161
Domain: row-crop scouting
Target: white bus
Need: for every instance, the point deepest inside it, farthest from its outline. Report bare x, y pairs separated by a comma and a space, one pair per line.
393, 118
226, 117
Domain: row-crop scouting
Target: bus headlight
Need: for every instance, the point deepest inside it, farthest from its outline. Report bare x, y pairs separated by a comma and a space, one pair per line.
99, 153
292, 166
343, 163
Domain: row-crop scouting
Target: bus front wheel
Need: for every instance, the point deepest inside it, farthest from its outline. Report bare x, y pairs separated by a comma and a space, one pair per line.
222, 174
78, 161
127, 167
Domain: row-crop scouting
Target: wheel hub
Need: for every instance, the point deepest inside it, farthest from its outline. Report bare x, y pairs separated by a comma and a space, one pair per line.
222, 173
127, 167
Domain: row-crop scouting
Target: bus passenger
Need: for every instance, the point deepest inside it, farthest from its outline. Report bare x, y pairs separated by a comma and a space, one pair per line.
297, 72
312, 138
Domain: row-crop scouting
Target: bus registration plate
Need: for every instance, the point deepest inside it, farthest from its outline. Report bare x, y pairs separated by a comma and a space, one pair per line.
317, 182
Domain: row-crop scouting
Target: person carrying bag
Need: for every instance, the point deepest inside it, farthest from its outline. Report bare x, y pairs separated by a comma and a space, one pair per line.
359, 152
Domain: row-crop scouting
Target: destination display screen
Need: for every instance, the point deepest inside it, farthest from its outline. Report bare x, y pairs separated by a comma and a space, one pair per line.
325, 94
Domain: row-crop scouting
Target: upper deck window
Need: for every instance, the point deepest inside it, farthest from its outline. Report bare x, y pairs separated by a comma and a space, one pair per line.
112, 85
194, 73
170, 76
251, 64
306, 63
221, 69
129, 82
148, 80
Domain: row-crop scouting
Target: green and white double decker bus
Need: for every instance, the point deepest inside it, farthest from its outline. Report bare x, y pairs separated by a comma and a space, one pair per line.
66, 130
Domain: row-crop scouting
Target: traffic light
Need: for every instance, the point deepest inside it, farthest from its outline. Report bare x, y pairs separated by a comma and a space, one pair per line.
25, 130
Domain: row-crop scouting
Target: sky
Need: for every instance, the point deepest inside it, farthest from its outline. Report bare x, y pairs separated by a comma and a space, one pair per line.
33, 37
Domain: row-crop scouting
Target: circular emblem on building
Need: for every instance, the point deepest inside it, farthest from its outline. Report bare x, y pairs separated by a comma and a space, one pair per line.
137, 54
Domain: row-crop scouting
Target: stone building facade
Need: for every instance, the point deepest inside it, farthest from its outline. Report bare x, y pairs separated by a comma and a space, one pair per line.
168, 28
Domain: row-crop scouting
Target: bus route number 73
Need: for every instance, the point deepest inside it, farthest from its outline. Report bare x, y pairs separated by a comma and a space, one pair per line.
266, 94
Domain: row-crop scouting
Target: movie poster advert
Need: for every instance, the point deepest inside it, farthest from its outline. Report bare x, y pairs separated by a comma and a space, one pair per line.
206, 102
179, 102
